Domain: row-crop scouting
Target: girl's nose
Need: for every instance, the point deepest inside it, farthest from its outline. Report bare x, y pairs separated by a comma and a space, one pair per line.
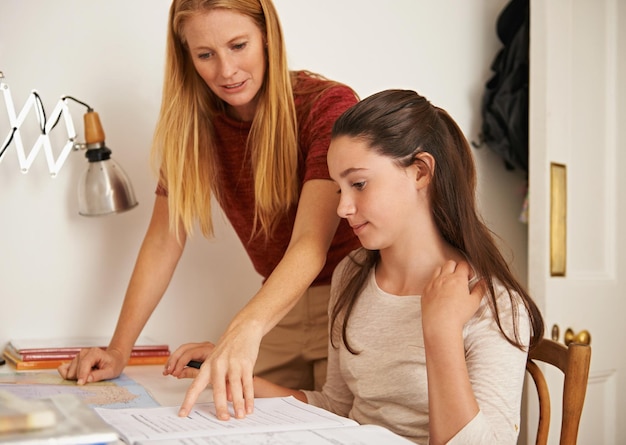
345, 207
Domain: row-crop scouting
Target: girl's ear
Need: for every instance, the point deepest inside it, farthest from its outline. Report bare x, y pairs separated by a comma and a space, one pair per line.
425, 167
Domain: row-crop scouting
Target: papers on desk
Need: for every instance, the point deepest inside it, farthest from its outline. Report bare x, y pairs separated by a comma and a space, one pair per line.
275, 420
345, 435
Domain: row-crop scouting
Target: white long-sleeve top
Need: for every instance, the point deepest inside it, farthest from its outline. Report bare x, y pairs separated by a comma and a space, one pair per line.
386, 383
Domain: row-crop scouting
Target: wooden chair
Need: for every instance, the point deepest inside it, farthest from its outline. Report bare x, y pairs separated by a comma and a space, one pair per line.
573, 361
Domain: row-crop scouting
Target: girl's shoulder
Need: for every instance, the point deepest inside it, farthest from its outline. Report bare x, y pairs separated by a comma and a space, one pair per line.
510, 310
506, 299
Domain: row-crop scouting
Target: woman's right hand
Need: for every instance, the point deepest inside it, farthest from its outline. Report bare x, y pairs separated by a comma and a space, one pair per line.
229, 370
177, 363
92, 365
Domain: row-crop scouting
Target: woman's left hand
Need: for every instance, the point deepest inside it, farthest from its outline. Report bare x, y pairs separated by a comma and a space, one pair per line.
177, 363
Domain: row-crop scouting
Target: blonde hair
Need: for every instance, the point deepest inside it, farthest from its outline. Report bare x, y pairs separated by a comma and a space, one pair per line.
184, 150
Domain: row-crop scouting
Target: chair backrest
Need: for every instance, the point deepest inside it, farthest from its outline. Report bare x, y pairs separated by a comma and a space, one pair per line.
573, 360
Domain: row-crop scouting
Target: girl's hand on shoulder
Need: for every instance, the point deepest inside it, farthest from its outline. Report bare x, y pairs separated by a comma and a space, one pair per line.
447, 302
177, 363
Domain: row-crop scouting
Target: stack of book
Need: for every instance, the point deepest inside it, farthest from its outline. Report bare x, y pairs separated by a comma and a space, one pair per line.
50, 353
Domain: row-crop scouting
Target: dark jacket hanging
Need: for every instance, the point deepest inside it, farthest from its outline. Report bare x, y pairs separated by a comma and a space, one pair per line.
505, 101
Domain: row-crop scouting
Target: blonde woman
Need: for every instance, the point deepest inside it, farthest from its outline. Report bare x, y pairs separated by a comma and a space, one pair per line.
236, 124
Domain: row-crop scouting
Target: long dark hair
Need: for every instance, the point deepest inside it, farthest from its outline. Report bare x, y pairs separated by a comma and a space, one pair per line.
400, 124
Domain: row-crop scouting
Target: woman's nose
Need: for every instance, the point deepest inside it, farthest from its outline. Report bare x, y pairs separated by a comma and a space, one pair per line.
228, 67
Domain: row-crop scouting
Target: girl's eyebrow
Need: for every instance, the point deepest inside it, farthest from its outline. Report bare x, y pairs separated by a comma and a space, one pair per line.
347, 171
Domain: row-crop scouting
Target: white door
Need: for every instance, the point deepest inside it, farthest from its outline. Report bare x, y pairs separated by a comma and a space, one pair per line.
578, 119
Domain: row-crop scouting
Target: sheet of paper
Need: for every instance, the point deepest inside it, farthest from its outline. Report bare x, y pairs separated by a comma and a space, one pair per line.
275, 414
347, 435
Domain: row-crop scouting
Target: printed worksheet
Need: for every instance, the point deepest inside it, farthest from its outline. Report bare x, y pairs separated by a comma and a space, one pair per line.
344, 435
273, 414
275, 420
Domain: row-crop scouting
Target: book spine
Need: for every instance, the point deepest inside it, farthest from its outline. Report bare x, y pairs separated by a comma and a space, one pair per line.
150, 360
70, 355
77, 349
22, 365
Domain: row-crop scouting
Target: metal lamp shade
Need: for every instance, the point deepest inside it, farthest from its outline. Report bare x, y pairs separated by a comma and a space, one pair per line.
104, 189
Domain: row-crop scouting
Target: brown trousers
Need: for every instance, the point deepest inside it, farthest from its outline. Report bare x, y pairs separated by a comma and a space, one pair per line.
294, 354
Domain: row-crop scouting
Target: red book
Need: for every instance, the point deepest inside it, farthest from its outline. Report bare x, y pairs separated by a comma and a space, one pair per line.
22, 365
75, 344
50, 353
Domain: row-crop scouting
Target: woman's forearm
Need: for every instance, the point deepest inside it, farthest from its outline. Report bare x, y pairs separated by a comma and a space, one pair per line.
314, 228
156, 262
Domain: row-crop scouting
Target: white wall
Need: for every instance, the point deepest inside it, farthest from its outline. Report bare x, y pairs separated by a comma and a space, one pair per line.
63, 274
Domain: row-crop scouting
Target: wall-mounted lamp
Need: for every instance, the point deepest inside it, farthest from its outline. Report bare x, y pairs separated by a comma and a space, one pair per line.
104, 188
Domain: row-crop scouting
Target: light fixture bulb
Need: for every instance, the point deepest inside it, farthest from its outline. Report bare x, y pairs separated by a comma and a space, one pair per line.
104, 188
